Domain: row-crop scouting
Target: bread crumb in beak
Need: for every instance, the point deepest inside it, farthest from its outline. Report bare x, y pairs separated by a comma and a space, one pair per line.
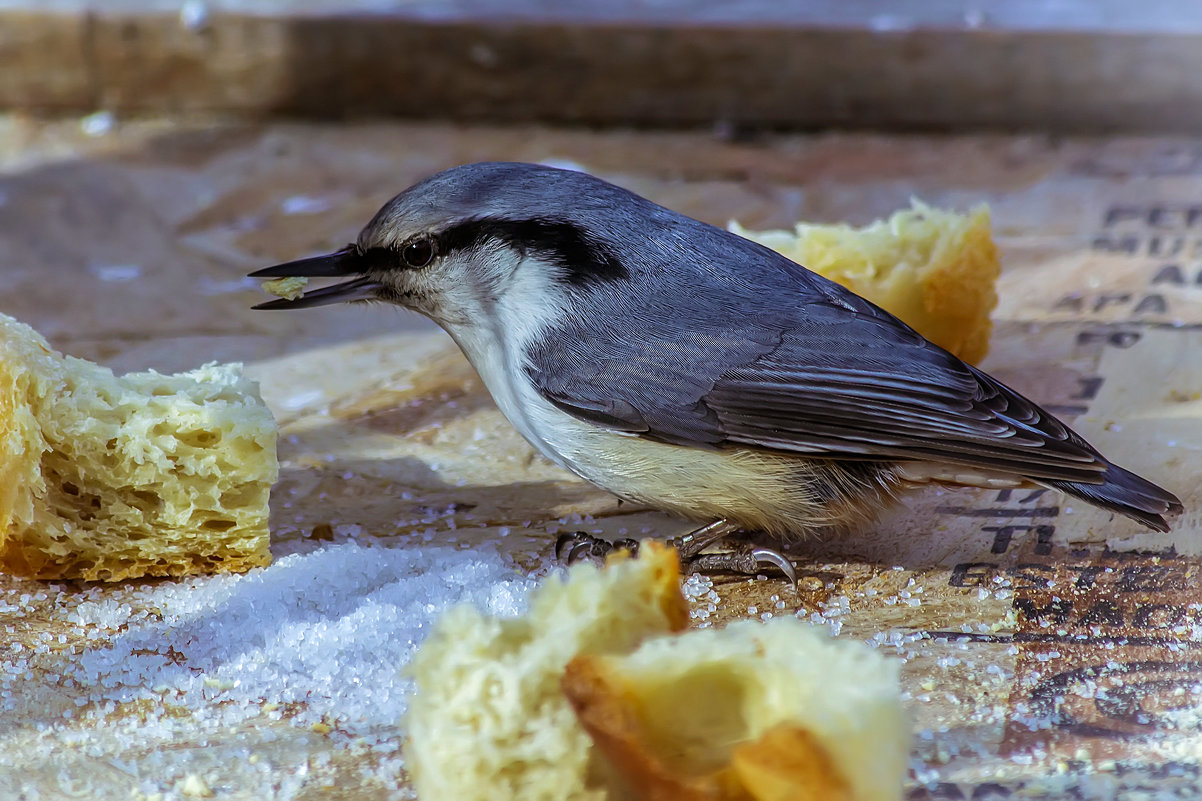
287, 288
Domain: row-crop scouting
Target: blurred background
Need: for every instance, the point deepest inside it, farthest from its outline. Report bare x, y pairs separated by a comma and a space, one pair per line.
1057, 65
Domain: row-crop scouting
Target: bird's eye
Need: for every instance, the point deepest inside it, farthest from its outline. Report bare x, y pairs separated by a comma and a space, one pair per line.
418, 253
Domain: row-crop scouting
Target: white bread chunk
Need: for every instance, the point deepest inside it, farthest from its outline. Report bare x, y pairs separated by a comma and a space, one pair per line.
488, 720
107, 478
597, 695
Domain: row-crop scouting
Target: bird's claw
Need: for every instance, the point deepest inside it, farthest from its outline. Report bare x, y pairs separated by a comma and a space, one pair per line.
768, 556
746, 561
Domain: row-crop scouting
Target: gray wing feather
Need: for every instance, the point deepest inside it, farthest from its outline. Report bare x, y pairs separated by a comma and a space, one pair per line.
982, 423
863, 392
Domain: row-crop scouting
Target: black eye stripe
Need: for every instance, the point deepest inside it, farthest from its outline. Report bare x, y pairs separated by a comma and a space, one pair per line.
378, 259
584, 260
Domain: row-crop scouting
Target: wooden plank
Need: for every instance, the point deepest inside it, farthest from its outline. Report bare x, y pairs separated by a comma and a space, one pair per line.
947, 65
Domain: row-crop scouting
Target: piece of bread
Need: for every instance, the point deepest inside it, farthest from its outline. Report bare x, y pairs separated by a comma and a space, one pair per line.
489, 721
770, 711
596, 695
106, 478
934, 269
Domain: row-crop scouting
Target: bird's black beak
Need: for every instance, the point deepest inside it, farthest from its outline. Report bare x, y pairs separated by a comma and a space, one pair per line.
346, 262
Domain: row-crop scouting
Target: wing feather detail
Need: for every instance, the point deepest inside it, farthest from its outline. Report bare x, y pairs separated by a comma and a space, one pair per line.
832, 376
955, 414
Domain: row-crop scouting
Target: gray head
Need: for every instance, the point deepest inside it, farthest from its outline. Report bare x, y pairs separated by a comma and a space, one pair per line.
454, 244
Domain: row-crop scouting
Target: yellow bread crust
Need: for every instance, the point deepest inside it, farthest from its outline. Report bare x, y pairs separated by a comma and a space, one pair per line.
934, 269
785, 763
758, 711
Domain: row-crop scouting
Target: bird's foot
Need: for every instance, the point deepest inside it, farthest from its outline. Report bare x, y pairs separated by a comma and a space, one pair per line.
574, 546
744, 558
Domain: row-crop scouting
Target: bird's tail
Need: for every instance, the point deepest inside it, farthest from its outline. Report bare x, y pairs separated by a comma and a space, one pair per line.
1126, 493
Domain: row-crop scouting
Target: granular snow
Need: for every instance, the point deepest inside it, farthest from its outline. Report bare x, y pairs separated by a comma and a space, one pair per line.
205, 672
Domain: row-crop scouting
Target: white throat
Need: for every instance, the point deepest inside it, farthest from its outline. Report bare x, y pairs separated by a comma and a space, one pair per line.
495, 342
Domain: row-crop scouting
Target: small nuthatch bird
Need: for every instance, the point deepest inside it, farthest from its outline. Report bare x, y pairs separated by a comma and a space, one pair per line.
680, 366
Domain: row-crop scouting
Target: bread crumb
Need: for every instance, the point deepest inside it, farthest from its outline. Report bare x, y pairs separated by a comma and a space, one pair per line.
287, 288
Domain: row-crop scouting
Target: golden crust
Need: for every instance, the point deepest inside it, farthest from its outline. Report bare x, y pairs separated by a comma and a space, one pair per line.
785, 763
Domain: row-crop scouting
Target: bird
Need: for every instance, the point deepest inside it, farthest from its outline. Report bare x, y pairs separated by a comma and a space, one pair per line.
683, 367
